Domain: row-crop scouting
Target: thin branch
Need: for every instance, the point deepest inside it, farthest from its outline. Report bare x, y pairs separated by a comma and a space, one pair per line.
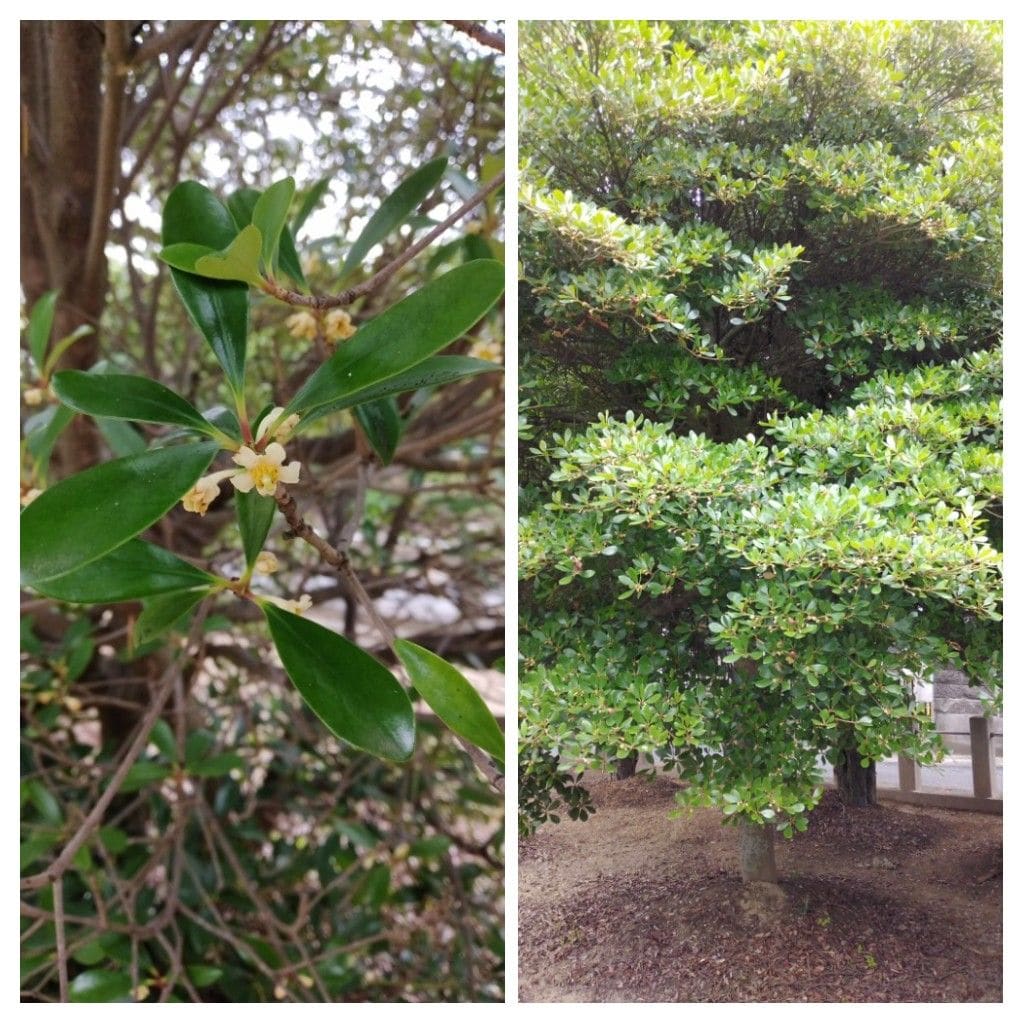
483, 35
92, 821
62, 946
180, 35
371, 284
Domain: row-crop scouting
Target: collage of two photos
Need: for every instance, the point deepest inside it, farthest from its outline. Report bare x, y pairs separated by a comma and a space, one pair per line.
747, 520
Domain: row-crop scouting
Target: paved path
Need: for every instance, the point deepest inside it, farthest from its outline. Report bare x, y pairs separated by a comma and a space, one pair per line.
952, 776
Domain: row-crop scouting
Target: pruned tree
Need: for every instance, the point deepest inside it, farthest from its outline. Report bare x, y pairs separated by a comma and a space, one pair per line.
764, 264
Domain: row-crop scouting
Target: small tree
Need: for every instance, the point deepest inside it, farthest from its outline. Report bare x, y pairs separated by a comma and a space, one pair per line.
784, 245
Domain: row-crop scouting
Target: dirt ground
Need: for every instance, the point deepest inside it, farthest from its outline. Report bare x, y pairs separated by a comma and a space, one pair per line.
888, 904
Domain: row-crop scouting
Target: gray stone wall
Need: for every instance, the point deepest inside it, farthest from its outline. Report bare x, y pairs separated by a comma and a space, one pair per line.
956, 701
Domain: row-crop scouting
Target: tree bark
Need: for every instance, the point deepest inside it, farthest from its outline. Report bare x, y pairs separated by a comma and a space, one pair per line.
856, 785
757, 853
625, 767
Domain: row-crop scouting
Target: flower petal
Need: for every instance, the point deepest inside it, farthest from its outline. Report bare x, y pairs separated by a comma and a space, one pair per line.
245, 456
274, 453
290, 474
243, 482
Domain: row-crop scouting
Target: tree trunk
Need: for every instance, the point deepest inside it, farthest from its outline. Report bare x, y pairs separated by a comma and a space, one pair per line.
757, 852
856, 785
625, 767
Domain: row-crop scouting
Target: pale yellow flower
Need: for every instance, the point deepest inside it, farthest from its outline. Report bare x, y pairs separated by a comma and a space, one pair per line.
266, 562
302, 325
205, 491
264, 471
33, 396
338, 326
303, 604
283, 430
489, 350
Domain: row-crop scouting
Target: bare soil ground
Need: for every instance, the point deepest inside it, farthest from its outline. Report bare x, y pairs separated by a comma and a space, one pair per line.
887, 904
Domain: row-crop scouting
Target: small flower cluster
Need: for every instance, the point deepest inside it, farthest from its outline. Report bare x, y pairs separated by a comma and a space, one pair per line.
337, 325
260, 470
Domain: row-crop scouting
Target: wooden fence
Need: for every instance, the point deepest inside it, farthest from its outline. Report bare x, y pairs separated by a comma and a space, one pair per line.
983, 774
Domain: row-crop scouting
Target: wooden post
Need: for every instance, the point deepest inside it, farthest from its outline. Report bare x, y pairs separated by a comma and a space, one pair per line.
982, 760
910, 774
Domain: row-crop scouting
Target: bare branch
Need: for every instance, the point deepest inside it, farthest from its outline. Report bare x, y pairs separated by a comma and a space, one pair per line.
483, 35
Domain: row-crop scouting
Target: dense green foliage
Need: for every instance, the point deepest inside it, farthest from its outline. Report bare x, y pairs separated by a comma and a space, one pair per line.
762, 366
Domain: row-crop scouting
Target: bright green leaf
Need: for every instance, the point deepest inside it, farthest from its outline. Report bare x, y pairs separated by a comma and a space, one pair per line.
160, 613
238, 262
452, 697
255, 516
270, 214
98, 986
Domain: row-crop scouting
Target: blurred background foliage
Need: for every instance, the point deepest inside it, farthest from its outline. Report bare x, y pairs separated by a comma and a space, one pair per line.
250, 856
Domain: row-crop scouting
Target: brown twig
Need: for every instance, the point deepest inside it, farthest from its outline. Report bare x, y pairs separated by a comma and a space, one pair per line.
371, 284
483, 35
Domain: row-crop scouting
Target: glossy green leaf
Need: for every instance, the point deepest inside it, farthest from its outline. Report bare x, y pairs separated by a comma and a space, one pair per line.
43, 430
353, 694
240, 261
126, 397
476, 248
99, 986
406, 334
40, 324
395, 210
452, 697
159, 614
288, 258
270, 215
255, 516
162, 736
431, 373
87, 515
133, 571
220, 309
241, 203
309, 203
382, 425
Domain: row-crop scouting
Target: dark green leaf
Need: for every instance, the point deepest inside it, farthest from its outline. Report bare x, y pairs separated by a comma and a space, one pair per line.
126, 397
255, 516
161, 613
87, 515
222, 764
45, 802
406, 334
477, 248
452, 697
135, 570
431, 373
98, 986
382, 425
143, 774
309, 203
220, 309
288, 258
40, 324
202, 975
270, 214
122, 437
42, 431
394, 211
240, 206
355, 696
374, 886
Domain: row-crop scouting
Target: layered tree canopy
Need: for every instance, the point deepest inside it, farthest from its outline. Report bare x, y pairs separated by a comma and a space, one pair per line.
761, 338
